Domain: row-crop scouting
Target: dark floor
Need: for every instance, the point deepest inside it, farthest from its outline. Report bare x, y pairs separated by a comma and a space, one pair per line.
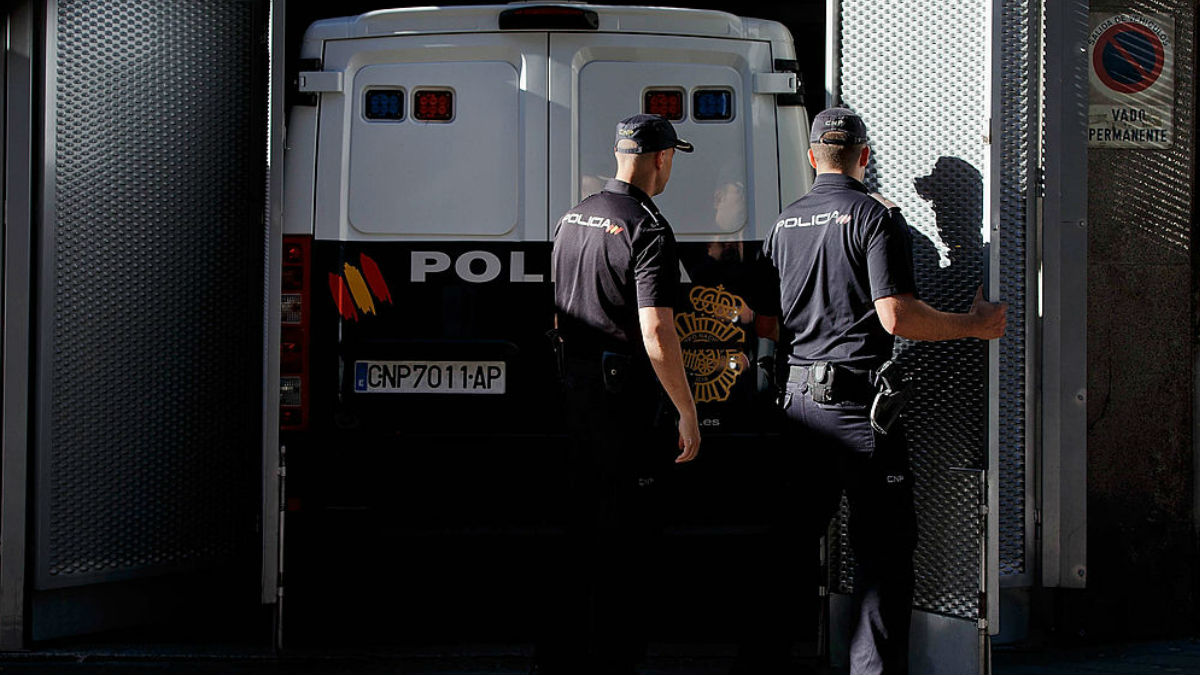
1167, 656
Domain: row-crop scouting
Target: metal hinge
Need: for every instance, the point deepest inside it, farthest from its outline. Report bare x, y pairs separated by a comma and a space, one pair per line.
320, 81
775, 83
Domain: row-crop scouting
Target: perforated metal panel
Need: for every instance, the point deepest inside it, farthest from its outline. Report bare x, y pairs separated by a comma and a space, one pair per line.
923, 82
1018, 155
150, 312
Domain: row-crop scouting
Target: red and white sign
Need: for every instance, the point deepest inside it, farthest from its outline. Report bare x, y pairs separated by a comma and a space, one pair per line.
1131, 59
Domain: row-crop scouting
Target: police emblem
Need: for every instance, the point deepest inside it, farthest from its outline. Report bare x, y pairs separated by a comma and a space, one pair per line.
711, 343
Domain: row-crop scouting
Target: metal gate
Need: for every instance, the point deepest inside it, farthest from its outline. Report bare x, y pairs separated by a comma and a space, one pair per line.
148, 245
929, 126
952, 96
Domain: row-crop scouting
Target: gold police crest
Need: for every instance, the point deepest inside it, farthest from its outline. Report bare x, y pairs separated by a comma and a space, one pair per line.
710, 341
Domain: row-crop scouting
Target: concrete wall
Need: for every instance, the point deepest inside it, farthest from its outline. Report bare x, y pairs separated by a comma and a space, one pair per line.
1141, 347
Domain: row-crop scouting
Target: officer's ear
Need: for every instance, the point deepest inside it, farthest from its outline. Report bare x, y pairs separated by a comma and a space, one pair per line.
864, 155
812, 159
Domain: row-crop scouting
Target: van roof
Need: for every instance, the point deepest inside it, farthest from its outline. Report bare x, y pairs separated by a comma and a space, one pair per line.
613, 18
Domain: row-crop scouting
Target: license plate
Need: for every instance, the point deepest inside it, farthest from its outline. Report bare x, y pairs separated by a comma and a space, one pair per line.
429, 377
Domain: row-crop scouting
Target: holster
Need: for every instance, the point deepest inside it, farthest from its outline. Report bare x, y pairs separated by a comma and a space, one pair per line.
560, 353
893, 391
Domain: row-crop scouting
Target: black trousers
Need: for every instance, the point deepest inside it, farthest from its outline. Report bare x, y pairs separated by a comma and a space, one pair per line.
837, 451
603, 575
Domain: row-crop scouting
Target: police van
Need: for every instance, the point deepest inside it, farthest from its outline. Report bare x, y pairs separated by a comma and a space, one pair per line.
430, 152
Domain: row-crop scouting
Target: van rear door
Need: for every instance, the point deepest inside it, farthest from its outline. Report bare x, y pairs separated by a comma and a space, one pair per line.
716, 202
431, 180
429, 363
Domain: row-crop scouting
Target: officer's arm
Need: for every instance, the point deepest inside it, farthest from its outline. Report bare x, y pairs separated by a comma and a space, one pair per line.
662, 346
910, 318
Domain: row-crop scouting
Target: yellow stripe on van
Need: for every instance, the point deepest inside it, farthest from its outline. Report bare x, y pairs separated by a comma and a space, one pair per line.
358, 289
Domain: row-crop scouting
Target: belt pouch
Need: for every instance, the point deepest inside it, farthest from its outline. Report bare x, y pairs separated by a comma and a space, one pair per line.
821, 376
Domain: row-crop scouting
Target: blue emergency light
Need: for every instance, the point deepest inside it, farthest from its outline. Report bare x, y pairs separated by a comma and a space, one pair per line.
384, 104
712, 105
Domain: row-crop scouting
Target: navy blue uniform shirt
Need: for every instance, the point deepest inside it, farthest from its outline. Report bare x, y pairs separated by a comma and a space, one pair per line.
613, 253
835, 251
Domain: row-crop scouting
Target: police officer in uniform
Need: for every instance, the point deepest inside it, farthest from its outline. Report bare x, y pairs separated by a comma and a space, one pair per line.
843, 258
629, 407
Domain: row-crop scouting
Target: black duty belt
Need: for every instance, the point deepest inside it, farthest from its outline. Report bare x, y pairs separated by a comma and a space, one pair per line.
834, 382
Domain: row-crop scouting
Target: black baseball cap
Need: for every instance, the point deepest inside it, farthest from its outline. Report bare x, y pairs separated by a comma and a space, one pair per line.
838, 119
648, 133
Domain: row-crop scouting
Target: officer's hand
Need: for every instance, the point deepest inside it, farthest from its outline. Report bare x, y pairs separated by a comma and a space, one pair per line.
989, 317
883, 200
689, 438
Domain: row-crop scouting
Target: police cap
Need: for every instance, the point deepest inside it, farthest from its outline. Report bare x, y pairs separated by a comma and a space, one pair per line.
648, 133
838, 119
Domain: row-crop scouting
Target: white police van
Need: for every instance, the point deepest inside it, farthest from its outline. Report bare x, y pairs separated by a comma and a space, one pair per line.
428, 159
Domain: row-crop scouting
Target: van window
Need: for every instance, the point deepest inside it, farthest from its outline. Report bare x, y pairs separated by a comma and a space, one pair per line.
452, 166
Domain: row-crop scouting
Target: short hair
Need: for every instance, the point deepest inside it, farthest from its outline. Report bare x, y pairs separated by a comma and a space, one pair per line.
627, 146
836, 155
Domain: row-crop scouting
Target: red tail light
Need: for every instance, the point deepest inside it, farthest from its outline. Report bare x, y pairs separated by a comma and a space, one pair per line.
433, 105
665, 102
296, 309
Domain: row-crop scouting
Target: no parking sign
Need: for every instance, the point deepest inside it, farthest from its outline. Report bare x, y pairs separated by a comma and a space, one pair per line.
1131, 61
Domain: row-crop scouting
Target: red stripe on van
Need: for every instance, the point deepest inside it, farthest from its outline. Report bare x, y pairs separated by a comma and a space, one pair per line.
375, 279
341, 297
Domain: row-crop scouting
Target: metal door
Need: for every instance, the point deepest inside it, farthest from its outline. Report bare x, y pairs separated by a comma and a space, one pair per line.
148, 313
948, 93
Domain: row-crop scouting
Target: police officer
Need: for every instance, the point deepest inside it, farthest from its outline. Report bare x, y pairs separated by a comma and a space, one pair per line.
843, 258
629, 407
